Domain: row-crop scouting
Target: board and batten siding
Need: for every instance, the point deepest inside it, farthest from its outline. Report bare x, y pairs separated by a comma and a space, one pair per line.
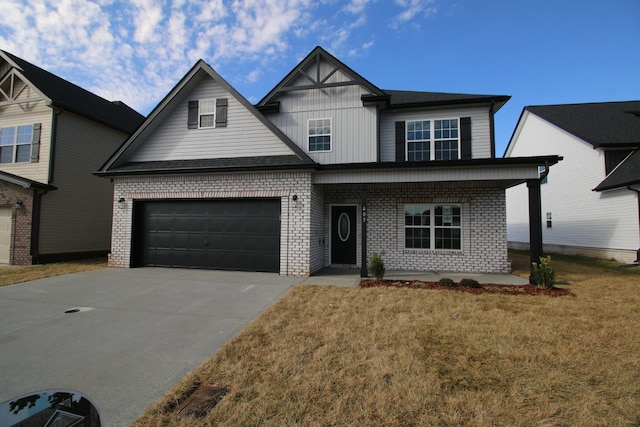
480, 129
353, 126
244, 135
77, 216
18, 115
580, 217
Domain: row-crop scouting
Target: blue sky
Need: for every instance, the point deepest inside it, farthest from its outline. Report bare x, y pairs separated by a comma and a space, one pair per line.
539, 52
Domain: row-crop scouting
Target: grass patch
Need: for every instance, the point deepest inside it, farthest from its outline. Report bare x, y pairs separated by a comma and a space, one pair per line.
23, 273
396, 356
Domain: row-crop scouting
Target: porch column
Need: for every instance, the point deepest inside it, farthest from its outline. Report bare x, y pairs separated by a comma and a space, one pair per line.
535, 222
364, 271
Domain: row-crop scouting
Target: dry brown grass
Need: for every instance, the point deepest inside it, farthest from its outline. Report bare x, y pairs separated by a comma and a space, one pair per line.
400, 357
11, 274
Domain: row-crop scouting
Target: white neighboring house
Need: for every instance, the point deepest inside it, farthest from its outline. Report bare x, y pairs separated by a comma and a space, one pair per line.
590, 200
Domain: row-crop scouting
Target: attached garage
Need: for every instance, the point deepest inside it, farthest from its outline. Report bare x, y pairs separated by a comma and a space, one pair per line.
223, 234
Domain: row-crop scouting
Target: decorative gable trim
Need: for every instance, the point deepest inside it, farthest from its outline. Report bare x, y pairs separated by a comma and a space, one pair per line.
318, 81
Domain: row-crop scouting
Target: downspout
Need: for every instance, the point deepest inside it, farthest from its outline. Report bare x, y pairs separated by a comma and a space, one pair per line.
638, 197
35, 225
492, 132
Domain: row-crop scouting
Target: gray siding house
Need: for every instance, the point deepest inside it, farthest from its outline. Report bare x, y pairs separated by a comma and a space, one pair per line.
325, 170
53, 136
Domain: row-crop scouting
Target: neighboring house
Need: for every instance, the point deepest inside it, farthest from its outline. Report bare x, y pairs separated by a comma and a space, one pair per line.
325, 170
590, 200
53, 136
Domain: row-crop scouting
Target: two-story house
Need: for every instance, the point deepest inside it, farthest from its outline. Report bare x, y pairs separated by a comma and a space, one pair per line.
325, 170
53, 136
590, 201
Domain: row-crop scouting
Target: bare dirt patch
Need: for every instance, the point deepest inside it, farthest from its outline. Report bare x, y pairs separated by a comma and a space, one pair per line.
197, 401
483, 289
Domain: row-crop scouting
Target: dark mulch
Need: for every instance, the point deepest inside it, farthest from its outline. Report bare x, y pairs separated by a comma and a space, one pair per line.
483, 289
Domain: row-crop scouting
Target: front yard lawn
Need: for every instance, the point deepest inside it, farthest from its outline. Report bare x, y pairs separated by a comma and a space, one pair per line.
393, 356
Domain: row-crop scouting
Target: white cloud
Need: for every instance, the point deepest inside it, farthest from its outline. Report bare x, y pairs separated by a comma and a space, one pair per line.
411, 9
136, 50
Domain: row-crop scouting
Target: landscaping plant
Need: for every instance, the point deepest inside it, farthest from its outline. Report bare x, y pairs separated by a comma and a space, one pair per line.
376, 266
542, 273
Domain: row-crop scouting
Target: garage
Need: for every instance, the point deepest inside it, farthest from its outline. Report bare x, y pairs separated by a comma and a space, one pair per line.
221, 234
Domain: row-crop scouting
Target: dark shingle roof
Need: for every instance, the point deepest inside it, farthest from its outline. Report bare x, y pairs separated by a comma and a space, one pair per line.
606, 124
80, 101
627, 173
209, 165
403, 98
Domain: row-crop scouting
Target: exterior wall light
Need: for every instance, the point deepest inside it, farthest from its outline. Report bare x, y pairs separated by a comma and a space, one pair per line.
295, 197
121, 203
18, 204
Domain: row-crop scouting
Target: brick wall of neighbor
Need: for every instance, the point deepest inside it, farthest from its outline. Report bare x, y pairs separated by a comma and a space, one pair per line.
295, 246
21, 223
484, 232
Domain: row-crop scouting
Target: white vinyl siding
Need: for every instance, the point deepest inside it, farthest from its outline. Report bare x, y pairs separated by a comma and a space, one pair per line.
353, 127
581, 217
480, 129
77, 216
244, 135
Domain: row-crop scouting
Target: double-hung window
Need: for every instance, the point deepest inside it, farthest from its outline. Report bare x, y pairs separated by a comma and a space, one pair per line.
207, 113
15, 144
433, 140
320, 135
432, 226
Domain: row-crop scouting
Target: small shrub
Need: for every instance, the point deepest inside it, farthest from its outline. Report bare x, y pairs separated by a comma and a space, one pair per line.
542, 273
470, 283
376, 266
447, 282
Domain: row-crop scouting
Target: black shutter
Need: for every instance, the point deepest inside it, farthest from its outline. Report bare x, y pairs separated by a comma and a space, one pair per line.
465, 138
221, 112
192, 119
35, 143
400, 142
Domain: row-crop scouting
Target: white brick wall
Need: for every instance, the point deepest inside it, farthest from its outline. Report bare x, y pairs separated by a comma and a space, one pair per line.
295, 244
484, 247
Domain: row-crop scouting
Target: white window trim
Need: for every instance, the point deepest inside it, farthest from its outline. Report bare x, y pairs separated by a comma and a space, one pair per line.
16, 144
432, 227
200, 113
432, 138
330, 135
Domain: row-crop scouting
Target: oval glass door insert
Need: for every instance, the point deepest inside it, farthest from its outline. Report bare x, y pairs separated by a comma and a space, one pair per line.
344, 226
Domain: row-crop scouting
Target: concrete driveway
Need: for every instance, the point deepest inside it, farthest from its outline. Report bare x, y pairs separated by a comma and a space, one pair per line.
132, 333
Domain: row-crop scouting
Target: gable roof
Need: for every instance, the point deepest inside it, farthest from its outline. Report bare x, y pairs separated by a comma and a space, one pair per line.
316, 55
118, 162
389, 98
625, 174
68, 96
603, 125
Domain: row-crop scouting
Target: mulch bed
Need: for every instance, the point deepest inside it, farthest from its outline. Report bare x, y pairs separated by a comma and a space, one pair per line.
483, 289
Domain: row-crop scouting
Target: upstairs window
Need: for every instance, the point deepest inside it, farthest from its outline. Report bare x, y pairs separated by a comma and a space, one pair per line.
16, 143
433, 140
320, 135
207, 113
431, 226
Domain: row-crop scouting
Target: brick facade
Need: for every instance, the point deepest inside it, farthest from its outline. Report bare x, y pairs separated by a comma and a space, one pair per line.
295, 241
20, 253
484, 246
305, 222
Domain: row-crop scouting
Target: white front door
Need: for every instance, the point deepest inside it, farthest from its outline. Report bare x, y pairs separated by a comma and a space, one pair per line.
5, 235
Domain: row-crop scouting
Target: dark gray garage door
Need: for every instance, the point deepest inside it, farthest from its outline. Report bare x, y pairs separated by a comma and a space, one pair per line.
229, 234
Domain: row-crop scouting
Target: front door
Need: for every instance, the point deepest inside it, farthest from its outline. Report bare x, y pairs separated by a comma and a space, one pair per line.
343, 235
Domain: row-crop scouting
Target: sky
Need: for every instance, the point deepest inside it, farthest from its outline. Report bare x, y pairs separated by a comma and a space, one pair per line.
539, 52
